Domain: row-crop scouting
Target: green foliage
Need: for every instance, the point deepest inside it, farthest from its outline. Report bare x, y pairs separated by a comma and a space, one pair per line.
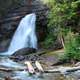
48, 42
63, 19
63, 13
72, 47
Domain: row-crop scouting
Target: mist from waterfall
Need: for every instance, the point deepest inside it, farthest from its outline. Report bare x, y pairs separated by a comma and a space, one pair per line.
24, 36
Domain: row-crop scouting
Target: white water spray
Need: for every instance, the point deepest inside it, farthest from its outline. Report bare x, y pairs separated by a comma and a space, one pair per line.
24, 36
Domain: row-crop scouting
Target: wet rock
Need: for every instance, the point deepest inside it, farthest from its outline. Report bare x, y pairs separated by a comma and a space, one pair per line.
7, 30
4, 45
10, 22
24, 51
77, 74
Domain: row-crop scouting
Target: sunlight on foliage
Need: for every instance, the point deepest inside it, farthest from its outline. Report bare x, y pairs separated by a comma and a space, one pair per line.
63, 20
72, 47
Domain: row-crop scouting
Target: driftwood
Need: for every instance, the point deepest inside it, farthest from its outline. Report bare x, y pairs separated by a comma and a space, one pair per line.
38, 65
58, 70
63, 70
32, 70
10, 69
5, 69
30, 67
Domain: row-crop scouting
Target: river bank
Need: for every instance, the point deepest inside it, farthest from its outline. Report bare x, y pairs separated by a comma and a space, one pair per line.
46, 60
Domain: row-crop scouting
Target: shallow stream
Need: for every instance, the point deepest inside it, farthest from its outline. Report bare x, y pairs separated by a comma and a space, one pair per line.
24, 75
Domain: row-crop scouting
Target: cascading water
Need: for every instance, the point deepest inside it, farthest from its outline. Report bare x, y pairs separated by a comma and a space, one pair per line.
24, 36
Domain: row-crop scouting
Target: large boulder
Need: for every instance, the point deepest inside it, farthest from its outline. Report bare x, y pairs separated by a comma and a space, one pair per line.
24, 51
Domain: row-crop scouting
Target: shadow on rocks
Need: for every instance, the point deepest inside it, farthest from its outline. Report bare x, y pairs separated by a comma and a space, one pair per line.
24, 51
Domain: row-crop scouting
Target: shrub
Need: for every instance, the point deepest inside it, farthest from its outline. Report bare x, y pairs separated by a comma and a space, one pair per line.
72, 47
65, 15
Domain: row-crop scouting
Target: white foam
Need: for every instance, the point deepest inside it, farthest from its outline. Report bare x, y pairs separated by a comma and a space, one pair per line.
24, 36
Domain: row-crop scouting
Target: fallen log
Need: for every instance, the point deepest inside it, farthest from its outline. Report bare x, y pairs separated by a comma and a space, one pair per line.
5, 69
38, 65
52, 71
62, 70
57, 70
10, 69
30, 67
73, 69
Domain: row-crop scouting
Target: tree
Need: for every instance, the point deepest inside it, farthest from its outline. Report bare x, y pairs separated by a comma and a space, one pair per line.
63, 18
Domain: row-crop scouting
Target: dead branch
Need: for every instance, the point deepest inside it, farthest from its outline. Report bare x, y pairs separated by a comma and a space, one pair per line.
57, 70
63, 69
5, 69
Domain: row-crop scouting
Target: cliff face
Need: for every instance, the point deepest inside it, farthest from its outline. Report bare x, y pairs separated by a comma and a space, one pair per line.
10, 22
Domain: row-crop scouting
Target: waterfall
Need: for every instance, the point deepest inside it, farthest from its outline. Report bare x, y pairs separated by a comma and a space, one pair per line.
24, 36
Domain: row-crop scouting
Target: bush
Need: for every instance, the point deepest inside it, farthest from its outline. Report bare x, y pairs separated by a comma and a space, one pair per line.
49, 41
72, 47
62, 15
64, 20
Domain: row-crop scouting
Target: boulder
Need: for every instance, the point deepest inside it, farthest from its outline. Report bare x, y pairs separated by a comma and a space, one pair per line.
77, 74
24, 51
4, 45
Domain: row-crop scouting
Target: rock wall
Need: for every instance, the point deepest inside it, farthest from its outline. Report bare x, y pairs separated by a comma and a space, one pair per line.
10, 22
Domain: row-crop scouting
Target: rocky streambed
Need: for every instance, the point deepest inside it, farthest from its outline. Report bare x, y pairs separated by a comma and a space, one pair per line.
13, 68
